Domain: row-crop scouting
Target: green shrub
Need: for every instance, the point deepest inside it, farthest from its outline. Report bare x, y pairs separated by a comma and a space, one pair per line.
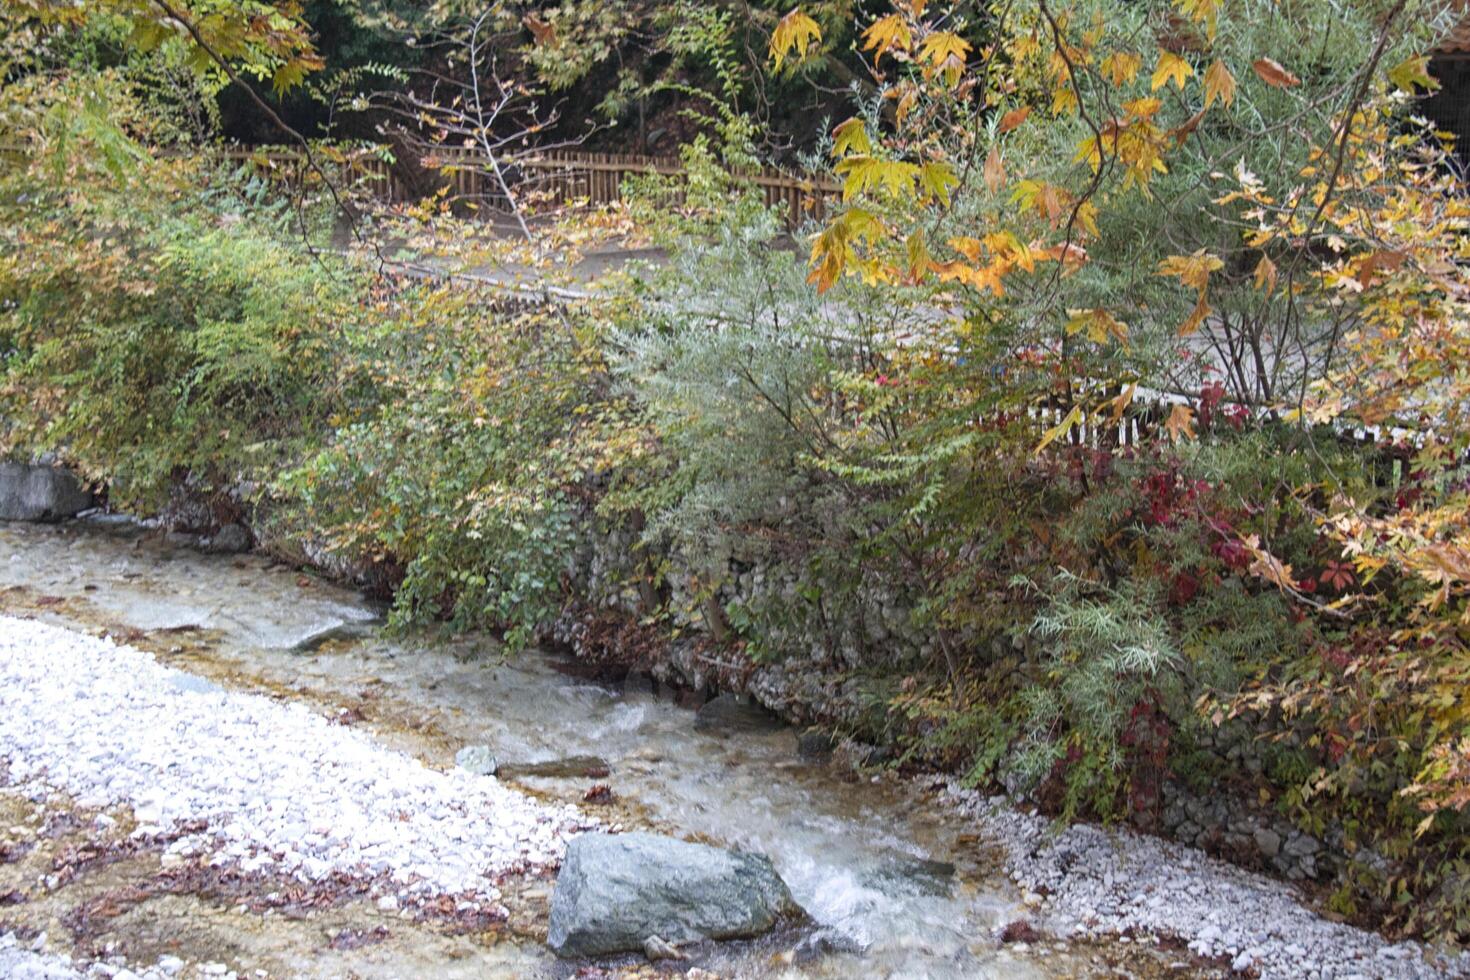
461, 466
147, 330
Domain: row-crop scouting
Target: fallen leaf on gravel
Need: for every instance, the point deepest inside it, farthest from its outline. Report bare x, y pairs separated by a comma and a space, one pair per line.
1019, 931
358, 938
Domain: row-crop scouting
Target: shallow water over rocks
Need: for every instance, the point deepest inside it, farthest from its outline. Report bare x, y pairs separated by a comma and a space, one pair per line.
896, 884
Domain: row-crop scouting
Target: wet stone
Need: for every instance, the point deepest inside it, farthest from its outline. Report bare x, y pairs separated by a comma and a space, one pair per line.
913, 875
337, 632
735, 713
230, 539
639, 682
617, 890
814, 745
40, 493
477, 759
572, 767
192, 684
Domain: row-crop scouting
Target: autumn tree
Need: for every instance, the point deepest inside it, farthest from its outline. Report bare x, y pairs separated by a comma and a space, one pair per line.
1231, 209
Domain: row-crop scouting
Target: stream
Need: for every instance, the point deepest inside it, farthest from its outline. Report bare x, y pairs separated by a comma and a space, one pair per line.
896, 883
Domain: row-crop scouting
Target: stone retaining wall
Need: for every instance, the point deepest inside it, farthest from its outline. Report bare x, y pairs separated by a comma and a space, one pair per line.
808, 676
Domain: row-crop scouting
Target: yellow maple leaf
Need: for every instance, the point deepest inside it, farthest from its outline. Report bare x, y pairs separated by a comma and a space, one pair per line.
1266, 275
1121, 402
1196, 317
851, 136
1192, 270
935, 180
1099, 324
920, 261
969, 247
887, 33
1219, 84
1061, 428
1121, 67
796, 32
1171, 67
1201, 11
941, 46
864, 173
1412, 74
833, 250
1087, 217
1145, 107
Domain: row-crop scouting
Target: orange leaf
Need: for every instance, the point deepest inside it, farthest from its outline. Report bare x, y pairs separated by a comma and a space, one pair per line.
1196, 317
1014, 118
995, 170
1273, 74
1181, 133
1380, 260
1266, 275
1180, 423
543, 32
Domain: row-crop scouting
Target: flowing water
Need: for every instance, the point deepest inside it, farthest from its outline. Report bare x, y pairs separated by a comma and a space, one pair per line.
894, 883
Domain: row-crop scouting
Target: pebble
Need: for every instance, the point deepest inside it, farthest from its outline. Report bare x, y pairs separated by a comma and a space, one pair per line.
90, 717
19, 963
1108, 882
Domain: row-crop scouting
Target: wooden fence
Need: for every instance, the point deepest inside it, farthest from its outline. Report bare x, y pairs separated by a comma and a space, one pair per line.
557, 177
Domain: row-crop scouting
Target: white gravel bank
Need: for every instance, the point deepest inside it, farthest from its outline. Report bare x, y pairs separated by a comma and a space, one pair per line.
1097, 882
280, 787
19, 962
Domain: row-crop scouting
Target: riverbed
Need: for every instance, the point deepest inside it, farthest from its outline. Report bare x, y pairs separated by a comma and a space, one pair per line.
897, 879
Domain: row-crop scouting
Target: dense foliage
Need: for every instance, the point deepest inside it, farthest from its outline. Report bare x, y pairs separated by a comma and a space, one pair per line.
1073, 377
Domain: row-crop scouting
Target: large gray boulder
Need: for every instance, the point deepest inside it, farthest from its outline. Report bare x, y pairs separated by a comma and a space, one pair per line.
617, 890
40, 493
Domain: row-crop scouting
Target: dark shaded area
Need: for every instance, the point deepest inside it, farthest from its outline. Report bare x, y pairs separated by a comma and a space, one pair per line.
1449, 108
344, 44
791, 107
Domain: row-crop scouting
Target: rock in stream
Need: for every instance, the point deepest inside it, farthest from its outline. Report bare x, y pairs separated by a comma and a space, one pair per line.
615, 891
40, 493
735, 713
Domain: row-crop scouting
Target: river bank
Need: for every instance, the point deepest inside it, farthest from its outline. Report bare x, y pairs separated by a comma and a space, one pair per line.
901, 878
